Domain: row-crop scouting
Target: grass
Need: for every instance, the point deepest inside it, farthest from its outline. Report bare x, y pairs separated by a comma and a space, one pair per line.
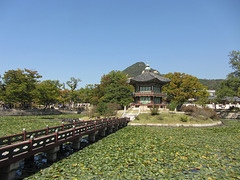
15, 124
168, 118
155, 153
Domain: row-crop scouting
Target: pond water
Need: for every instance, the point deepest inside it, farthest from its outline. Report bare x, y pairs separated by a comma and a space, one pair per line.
39, 161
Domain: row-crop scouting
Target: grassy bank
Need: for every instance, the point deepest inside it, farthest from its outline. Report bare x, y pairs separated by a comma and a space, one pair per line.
168, 118
160, 153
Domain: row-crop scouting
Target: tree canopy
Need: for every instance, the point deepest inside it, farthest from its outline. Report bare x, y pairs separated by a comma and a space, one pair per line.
230, 86
116, 89
183, 87
48, 92
19, 86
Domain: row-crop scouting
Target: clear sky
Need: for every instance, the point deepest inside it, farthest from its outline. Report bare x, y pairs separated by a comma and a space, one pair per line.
88, 38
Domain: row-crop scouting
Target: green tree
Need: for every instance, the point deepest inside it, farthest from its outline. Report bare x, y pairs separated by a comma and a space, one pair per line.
115, 88
73, 85
64, 96
90, 94
234, 61
19, 86
230, 86
48, 92
1, 89
183, 87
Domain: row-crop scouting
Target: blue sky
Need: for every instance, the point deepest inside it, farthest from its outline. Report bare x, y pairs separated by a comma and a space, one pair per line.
88, 38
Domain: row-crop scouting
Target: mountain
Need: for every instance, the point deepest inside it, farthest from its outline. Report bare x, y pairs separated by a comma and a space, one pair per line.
212, 84
137, 69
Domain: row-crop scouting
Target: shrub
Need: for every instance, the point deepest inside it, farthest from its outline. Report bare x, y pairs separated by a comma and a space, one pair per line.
184, 118
108, 109
189, 109
112, 108
91, 111
154, 110
172, 106
196, 112
160, 117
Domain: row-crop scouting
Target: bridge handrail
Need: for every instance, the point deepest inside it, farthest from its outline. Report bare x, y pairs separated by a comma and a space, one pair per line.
33, 145
7, 140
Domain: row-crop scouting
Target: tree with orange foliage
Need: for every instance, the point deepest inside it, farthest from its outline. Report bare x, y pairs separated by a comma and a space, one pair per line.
183, 87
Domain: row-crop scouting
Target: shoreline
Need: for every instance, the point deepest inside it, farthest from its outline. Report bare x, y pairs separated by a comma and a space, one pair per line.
219, 123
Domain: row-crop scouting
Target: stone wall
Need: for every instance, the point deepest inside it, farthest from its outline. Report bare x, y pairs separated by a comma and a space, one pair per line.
229, 115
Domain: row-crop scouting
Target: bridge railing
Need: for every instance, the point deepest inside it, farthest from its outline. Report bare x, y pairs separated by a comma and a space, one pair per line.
7, 140
18, 151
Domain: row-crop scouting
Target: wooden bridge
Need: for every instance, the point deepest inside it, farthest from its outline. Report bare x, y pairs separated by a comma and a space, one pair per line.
18, 147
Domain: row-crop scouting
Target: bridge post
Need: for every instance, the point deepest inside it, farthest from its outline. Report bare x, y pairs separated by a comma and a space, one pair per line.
52, 154
92, 136
103, 132
8, 172
116, 127
110, 129
77, 143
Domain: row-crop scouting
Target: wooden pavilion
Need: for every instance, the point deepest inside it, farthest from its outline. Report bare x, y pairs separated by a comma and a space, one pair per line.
148, 89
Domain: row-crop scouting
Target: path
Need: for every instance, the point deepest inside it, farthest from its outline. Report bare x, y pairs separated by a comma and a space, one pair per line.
132, 114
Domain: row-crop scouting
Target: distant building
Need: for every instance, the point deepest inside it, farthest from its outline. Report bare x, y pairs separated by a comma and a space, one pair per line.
212, 93
148, 89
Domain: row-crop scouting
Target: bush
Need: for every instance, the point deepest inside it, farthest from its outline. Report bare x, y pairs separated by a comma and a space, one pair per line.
172, 106
112, 108
160, 117
154, 110
196, 112
91, 111
108, 109
189, 109
184, 118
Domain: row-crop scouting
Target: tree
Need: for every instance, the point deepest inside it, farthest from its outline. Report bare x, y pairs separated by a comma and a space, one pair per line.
1, 89
90, 94
19, 86
183, 87
115, 88
48, 92
64, 96
73, 85
234, 62
230, 86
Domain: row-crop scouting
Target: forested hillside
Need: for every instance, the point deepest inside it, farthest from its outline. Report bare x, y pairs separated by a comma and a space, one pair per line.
212, 84
137, 68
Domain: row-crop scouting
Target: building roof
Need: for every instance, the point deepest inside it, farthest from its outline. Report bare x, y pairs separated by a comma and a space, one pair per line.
233, 99
149, 76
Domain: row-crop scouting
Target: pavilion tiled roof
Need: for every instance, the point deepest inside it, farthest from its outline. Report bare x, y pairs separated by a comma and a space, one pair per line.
149, 76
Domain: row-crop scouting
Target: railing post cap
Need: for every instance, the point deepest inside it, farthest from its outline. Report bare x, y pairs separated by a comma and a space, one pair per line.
73, 127
56, 131
62, 122
24, 129
46, 125
32, 137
